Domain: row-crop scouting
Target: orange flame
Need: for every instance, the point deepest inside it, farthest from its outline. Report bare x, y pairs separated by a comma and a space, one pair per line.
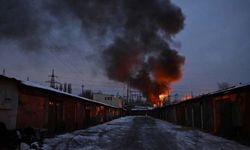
162, 96
158, 100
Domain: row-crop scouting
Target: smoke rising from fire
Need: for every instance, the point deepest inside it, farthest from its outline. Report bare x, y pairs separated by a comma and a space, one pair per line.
142, 55
131, 36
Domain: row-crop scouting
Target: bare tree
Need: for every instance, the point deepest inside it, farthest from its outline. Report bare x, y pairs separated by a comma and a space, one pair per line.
87, 94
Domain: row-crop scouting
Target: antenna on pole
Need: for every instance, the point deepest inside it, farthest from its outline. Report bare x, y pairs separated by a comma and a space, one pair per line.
3, 72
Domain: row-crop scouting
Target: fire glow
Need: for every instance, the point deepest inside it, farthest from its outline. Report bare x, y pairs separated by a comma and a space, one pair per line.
162, 97
186, 97
142, 55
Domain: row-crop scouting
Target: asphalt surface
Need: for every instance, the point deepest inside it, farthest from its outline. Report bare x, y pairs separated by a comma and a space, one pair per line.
144, 134
139, 133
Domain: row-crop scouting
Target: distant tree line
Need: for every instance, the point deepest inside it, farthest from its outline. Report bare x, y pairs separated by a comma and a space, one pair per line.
87, 94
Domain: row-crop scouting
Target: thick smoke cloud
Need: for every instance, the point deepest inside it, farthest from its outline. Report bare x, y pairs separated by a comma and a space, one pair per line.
131, 36
16, 20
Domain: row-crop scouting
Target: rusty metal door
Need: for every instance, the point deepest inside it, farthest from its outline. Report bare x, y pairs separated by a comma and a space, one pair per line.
55, 122
225, 118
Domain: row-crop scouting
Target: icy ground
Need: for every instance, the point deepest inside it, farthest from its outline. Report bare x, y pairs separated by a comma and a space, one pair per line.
135, 133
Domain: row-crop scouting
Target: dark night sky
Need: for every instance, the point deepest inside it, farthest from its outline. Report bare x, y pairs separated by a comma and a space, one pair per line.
215, 42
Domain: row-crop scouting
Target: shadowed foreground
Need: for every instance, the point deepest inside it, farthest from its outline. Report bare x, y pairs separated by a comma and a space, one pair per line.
139, 133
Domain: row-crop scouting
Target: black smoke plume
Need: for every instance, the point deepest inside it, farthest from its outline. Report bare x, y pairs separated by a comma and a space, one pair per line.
132, 36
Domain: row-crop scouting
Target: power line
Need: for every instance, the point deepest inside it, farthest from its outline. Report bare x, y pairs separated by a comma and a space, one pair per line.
66, 65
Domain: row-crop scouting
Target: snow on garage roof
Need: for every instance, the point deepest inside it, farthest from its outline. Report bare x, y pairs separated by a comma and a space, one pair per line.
39, 86
42, 87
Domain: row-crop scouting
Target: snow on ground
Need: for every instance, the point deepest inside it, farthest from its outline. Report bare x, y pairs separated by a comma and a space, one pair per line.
137, 132
97, 137
188, 138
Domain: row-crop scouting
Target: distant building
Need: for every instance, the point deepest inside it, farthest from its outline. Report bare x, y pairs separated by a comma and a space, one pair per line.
108, 99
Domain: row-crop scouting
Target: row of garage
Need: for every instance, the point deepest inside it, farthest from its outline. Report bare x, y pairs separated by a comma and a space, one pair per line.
224, 113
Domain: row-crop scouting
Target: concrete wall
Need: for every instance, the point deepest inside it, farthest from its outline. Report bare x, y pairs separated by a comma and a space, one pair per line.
8, 102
